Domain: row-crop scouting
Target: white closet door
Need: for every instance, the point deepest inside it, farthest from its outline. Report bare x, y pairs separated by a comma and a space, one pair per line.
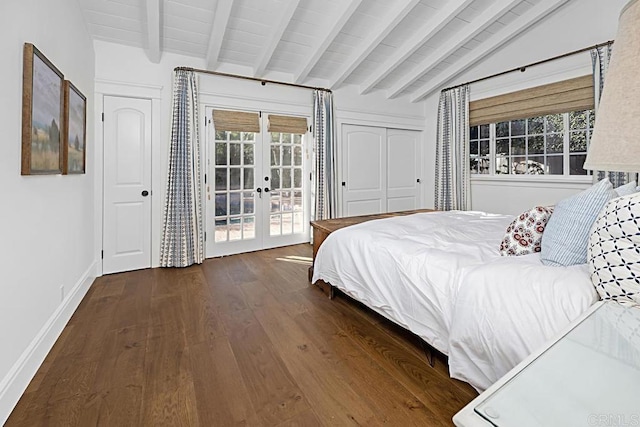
404, 154
364, 171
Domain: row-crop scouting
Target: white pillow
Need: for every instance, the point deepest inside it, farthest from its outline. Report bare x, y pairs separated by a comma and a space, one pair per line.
614, 250
626, 189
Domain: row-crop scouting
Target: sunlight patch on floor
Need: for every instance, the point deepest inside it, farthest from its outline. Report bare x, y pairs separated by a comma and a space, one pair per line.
297, 259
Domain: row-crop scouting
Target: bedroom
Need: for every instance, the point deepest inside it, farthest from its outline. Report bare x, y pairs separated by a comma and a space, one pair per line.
53, 225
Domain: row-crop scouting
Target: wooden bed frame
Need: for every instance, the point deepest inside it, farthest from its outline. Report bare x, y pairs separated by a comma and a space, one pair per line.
322, 229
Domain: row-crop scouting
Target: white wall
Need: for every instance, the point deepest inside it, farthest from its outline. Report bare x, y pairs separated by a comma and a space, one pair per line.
126, 71
46, 222
575, 26
51, 224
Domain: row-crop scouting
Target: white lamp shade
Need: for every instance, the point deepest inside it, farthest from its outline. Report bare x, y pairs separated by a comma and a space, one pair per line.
615, 143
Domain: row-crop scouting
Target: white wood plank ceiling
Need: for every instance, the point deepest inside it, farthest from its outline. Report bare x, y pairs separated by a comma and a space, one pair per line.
405, 48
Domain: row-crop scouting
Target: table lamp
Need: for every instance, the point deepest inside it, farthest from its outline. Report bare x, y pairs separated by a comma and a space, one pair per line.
612, 254
615, 143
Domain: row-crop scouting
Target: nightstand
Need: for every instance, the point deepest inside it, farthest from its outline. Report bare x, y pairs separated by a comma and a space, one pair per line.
589, 376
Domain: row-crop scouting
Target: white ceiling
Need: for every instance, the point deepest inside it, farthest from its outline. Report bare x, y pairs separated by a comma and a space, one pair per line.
404, 48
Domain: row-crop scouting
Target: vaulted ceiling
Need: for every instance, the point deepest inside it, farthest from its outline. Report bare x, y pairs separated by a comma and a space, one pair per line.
404, 48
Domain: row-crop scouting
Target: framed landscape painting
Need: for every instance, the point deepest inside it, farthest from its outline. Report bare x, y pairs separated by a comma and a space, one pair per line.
42, 121
75, 134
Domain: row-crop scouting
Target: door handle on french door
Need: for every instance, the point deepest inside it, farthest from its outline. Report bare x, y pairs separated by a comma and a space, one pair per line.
145, 193
259, 190
266, 189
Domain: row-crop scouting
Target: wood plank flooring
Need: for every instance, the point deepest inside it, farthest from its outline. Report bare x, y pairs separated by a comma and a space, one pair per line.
240, 340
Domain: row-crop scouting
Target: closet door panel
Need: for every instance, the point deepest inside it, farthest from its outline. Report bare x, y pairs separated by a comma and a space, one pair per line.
404, 154
363, 170
364, 207
398, 204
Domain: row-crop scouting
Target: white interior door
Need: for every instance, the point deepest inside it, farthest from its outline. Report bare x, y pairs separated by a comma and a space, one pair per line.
404, 168
258, 196
127, 184
364, 171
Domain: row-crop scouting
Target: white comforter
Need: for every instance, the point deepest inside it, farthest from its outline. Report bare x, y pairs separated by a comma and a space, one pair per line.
440, 276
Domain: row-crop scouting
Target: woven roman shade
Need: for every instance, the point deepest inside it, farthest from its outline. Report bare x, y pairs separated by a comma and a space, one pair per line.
236, 121
287, 124
561, 97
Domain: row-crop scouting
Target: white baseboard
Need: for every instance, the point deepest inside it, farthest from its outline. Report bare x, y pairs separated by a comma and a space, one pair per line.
21, 373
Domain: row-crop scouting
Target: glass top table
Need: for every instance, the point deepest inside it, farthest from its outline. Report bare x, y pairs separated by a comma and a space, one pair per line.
590, 377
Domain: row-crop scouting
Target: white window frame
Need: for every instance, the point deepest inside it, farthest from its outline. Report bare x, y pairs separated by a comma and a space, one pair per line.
526, 178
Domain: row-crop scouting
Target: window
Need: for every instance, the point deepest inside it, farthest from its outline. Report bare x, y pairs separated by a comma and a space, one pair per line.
479, 149
544, 130
554, 144
580, 130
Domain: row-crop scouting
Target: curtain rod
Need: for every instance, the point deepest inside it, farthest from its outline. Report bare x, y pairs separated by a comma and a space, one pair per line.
524, 67
238, 76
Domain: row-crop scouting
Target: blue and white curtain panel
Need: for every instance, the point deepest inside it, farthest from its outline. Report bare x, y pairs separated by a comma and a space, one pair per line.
183, 232
452, 179
324, 188
600, 58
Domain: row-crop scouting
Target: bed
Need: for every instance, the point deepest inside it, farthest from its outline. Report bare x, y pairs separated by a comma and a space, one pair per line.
440, 276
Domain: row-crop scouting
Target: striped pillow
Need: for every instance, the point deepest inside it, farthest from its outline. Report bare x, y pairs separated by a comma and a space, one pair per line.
566, 236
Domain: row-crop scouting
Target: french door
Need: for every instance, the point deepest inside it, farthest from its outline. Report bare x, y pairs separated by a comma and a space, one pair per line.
257, 194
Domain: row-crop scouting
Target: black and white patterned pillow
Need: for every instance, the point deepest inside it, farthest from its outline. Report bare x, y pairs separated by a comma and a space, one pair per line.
614, 250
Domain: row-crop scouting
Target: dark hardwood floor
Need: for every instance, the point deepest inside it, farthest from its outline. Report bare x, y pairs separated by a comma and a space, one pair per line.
240, 340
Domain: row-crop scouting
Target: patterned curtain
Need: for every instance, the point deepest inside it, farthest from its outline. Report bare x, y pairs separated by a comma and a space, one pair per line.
183, 234
600, 58
325, 191
452, 151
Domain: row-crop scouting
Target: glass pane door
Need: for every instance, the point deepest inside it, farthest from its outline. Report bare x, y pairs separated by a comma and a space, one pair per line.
257, 194
286, 206
234, 161
234, 181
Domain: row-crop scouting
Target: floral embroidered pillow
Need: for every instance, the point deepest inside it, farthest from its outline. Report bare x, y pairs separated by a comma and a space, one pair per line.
524, 234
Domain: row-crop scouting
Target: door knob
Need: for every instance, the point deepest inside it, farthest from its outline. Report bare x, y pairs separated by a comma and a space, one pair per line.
145, 193
266, 189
